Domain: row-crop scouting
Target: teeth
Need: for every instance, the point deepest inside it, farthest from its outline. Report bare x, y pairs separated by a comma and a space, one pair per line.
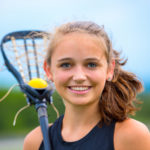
79, 88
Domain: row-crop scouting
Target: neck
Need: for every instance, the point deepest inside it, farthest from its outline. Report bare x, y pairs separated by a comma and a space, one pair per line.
81, 116
78, 121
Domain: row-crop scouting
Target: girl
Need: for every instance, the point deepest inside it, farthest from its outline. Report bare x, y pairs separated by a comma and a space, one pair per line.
98, 94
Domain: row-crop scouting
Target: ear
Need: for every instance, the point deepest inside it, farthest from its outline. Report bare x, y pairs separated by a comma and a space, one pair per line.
110, 72
47, 70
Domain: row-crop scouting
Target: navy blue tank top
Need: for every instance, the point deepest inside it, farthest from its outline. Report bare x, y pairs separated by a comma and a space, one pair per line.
99, 138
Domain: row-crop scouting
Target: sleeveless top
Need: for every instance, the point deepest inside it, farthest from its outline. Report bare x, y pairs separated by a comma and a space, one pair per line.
99, 138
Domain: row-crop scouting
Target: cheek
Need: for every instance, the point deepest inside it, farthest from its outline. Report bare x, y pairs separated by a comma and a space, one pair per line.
99, 76
60, 77
99, 79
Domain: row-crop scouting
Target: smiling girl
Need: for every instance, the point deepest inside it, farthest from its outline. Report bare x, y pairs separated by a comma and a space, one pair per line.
98, 94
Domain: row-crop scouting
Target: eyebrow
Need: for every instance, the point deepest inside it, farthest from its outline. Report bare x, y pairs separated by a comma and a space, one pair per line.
93, 59
65, 59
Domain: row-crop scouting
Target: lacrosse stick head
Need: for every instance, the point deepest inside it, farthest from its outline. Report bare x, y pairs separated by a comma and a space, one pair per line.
24, 53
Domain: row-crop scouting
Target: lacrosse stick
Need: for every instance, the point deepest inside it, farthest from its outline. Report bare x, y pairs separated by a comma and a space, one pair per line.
23, 54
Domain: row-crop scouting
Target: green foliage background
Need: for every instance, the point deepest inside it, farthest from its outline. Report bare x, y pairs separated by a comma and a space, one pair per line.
27, 120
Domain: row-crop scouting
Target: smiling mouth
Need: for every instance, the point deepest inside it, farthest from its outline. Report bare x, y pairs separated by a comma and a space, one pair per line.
79, 89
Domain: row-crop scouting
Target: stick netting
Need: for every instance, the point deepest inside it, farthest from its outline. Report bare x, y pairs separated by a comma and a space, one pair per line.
27, 54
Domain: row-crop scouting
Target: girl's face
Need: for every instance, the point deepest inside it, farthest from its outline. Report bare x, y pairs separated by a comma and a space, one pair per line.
79, 69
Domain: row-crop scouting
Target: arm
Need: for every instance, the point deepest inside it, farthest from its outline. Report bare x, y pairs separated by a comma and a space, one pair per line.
131, 135
33, 140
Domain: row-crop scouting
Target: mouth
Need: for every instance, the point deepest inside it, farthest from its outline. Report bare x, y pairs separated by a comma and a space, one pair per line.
79, 89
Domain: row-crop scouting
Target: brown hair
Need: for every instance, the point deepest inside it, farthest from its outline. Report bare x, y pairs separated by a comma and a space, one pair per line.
119, 96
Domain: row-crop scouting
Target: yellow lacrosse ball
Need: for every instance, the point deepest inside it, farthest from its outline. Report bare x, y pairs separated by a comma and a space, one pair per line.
38, 83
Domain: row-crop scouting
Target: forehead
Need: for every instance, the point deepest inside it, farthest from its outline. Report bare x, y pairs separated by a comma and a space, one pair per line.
78, 36
78, 42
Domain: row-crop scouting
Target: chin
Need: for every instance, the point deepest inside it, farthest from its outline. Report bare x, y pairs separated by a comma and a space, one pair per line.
80, 102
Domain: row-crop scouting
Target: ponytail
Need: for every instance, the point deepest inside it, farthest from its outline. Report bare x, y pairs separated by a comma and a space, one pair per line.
119, 96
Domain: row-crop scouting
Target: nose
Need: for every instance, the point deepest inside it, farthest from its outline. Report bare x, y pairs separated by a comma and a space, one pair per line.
79, 75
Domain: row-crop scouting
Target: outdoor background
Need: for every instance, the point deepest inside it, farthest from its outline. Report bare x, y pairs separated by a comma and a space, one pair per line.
126, 22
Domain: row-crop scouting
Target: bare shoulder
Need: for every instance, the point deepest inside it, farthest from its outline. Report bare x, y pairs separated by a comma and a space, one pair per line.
33, 139
131, 135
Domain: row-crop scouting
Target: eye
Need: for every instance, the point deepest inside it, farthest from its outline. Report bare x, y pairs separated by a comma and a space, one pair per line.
65, 65
92, 65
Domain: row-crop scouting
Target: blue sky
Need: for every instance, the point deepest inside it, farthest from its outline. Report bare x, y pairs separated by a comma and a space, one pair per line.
126, 22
